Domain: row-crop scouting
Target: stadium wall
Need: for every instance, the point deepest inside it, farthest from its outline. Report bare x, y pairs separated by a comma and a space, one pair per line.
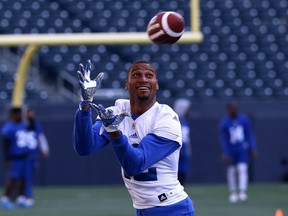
65, 167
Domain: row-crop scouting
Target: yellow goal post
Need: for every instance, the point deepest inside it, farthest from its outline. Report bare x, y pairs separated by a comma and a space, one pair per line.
35, 41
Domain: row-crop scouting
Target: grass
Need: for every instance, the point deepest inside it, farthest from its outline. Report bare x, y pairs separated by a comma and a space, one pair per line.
263, 201
209, 200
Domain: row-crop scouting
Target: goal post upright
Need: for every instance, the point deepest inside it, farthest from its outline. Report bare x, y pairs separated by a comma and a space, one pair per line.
21, 75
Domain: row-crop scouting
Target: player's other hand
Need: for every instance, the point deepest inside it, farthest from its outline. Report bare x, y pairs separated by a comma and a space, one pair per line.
88, 86
226, 159
254, 153
110, 121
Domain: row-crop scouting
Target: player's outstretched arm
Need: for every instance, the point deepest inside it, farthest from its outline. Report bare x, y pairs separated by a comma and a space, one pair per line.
88, 86
86, 135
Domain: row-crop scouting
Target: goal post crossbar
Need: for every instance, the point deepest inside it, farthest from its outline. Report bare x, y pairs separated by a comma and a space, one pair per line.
119, 38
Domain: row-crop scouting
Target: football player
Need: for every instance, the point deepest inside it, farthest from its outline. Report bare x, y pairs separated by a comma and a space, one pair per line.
146, 138
238, 142
15, 153
36, 142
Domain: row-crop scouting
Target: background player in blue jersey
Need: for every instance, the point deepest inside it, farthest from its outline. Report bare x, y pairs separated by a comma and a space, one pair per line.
21, 141
238, 143
181, 107
15, 153
36, 143
146, 138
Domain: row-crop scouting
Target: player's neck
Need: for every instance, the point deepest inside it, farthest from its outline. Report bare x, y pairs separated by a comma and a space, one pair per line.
141, 107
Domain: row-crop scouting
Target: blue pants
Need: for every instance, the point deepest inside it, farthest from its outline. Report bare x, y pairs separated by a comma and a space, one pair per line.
17, 169
240, 156
24, 169
182, 208
30, 170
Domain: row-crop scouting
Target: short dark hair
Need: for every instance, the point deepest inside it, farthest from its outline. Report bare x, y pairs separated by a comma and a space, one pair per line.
15, 110
139, 62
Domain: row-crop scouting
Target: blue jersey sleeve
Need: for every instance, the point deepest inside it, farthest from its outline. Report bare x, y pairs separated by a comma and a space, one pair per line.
39, 129
87, 138
224, 138
135, 159
249, 135
6, 131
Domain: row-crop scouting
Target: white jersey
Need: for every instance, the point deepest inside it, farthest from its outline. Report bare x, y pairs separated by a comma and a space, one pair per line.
165, 189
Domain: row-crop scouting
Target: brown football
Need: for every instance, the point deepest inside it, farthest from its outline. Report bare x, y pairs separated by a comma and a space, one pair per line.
166, 27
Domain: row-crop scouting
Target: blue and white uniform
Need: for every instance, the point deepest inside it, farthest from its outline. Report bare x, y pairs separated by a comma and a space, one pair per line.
33, 156
237, 138
148, 151
237, 141
15, 149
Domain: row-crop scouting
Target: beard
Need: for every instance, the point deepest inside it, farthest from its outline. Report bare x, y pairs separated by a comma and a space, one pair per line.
145, 98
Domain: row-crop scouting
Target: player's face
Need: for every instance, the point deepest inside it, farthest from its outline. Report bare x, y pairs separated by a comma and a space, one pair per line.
233, 110
30, 114
17, 117
142, 82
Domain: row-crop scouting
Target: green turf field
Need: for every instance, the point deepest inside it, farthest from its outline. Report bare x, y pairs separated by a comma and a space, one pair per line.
208, 200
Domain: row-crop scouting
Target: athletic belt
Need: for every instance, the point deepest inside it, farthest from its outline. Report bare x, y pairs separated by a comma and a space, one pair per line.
164, 196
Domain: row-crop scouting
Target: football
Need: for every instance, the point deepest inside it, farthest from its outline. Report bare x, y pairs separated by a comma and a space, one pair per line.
166, 27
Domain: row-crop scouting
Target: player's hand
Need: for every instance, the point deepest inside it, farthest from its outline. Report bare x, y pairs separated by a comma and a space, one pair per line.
254, 153
226, 159
88, 86
110, 121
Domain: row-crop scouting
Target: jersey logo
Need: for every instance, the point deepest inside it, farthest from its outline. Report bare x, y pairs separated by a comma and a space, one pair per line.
133, 136
162, 197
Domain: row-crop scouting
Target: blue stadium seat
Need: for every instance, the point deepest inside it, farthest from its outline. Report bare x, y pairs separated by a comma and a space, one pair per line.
245, 44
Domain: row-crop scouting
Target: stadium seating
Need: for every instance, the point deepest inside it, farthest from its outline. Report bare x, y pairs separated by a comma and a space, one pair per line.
243, 55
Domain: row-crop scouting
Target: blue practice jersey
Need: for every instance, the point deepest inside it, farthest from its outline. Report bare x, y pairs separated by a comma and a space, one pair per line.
236, 134
15, 135
33, 140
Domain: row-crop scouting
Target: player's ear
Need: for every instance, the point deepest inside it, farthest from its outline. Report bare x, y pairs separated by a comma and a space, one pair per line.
157, 86
126, 86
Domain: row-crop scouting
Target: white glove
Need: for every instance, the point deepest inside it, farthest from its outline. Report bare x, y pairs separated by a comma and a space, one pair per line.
110, 121
88, 86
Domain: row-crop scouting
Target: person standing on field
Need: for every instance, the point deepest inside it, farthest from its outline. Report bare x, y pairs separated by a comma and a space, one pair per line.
22, 141
146, 138
238, 143
15, 152
37, 144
